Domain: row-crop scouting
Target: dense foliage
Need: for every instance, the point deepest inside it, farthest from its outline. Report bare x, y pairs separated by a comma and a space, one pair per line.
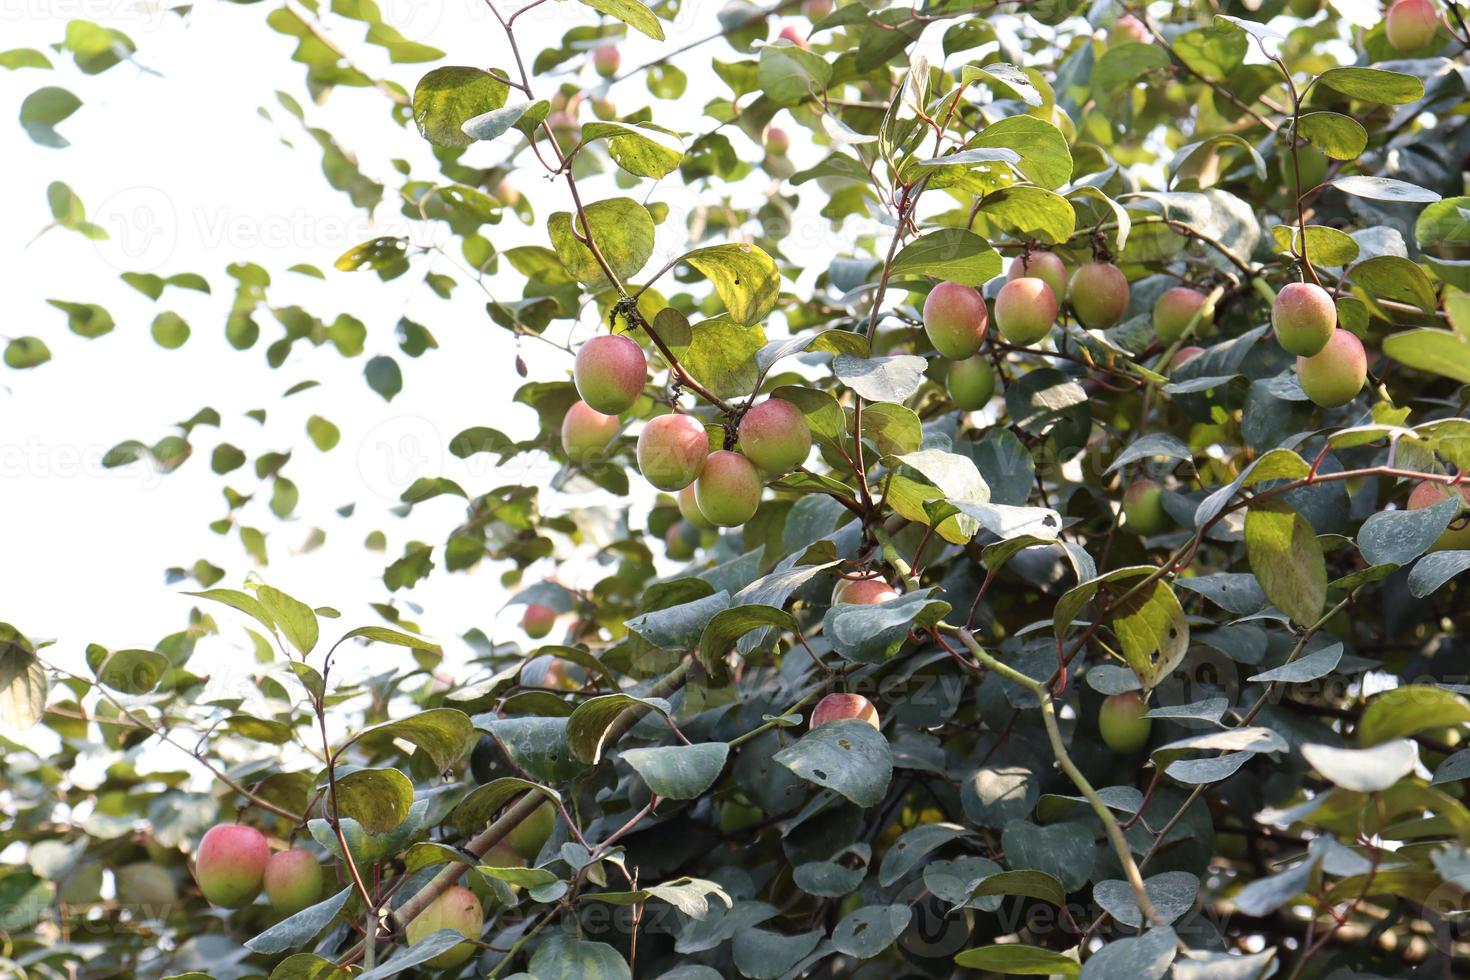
1137, 576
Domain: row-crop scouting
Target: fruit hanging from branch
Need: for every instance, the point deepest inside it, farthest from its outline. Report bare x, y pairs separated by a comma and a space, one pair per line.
610, 372
1098, 294
955, 320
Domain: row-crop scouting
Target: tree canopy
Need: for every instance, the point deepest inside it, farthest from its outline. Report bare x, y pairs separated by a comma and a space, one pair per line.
982, 486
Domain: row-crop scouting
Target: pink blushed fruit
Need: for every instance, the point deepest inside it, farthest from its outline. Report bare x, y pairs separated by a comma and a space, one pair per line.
605, 59
1098, 294
864, 591
1046, 266
1025, 310
230, 865
586, 432
1335, 374
1303, 317
538, 620
728, 491
1181, 355
775, 437
790, 33
777, 142
293, 881
1128, 28
1411, 24
1456, 536
689, 509
1175, 308
671, 451
456, 909
610, 371
1143, 507
955, 320
835, 707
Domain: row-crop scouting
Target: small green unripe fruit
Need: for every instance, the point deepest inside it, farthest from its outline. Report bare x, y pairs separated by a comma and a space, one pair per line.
689, 509
1336, 374
1411, 24
736, 816
1128, 28
955, 320
1025, 310
230, 865
835, 707
605, 59
729, 489
776, 141
671, 451
680, 540
610, 371
1098, 294
1143, 506
1456, 536
538, 620
775, 437
971, 383
864, 591
585, 432
604, 108
1175, 308
147, 887
1046, 266
1303, 317
529, 836
456, 909
1122, 723
816, 9
1304, 8
293, 881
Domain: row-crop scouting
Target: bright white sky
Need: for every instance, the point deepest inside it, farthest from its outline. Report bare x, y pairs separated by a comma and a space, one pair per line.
173, 158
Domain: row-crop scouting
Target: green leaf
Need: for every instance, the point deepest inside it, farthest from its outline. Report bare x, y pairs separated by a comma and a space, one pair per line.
588, 725
744, 276
731, 624
632, 13
446, 98
299, 929
1369, 770
1030, 213
1441, 352
26, 352
788, 74
384, 376
169, 330
1287, 560
379, 799
1410, 710
868, 931
23, 682
621, 227
562, 956
848, 756
295, 618
679, 772
537, 746
1045, 156
490, 125
1340, 137
644, 150
1384, 189
1325, 246
1373, 85
1152, 628
323, 433
880, 379
1025, 881
382, 634
952, 254
85, 319
1017, 960
17, 58
131, 671
1396, 278
42, 110
442, 733
720, 354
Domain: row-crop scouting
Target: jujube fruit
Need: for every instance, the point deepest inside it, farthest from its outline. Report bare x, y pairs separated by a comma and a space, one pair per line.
1128, 28
1143, 506
1122, 723
230, 865
1175, 308
456, 909
529, 836
585, 432
835, 707
1411, 24
1456, 536
1025, 310
689, 509
680, 540
728, 491
1336, 373
776, 141
610, 371
1046, 266
864, 591
1303, 317
1181, 355
971, 383
1098, 294
538, 620
955, 319
293, 881
605, 59
790, 33
671, 451
775, 437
